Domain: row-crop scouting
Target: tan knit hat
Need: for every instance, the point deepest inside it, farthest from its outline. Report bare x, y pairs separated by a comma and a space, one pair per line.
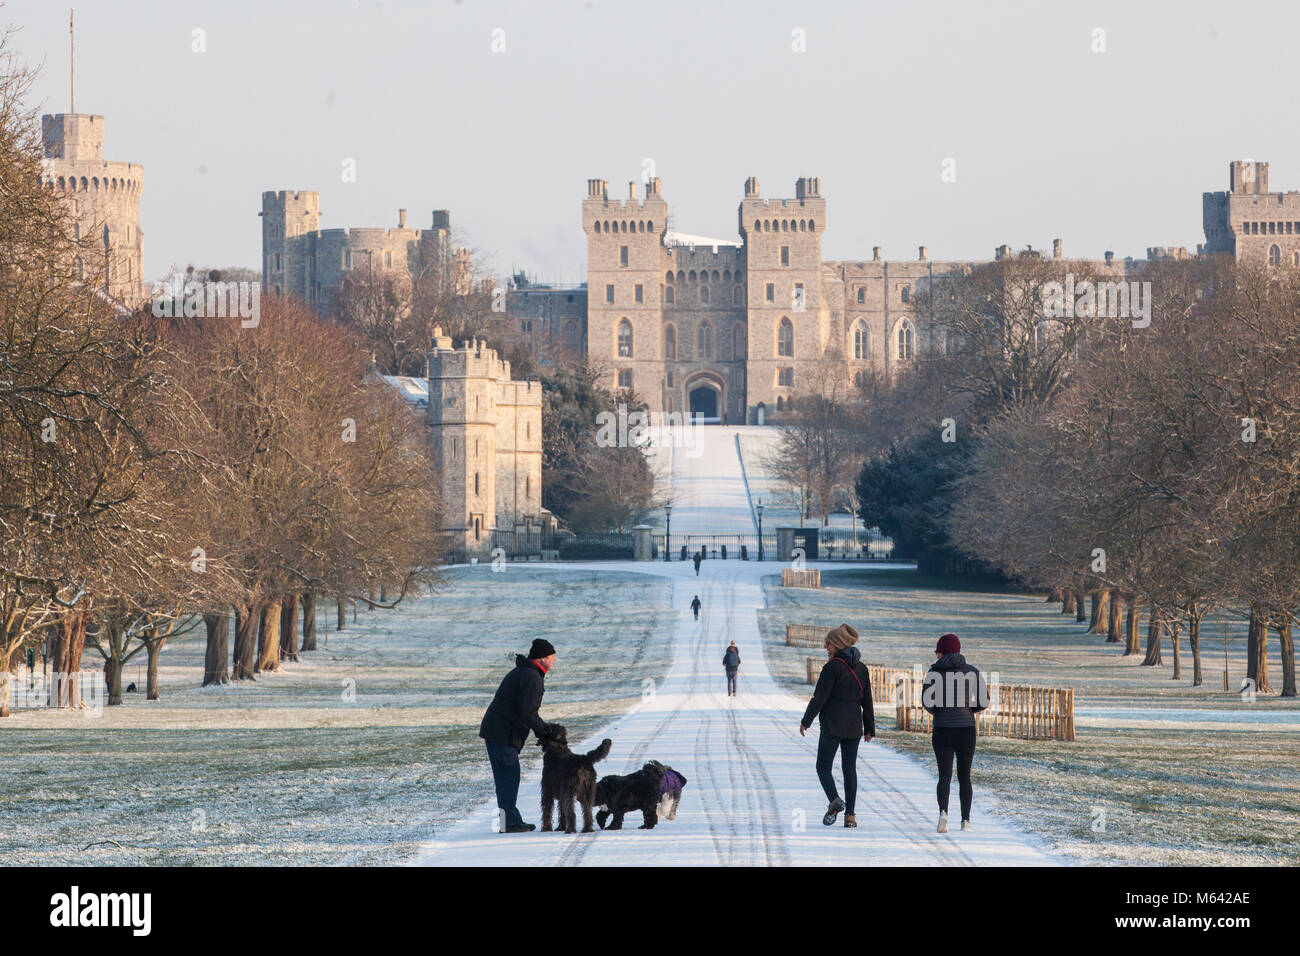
843, 636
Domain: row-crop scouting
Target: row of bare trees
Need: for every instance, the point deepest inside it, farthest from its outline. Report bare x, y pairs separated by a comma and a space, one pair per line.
1165, 476
159, 474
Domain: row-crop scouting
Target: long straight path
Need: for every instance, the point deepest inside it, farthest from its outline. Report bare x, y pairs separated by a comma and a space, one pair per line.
752, 797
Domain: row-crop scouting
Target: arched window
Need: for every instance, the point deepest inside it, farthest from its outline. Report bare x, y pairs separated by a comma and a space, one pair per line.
649, 225
596, 225
905, 341
624, 339
1274, 256
571, 335
785, 338
861, 340
704, 341
738, 295
668, 276
670, 342
738, 341
704, 294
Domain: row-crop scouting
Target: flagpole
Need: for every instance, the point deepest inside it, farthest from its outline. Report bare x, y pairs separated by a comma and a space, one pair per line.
72, 44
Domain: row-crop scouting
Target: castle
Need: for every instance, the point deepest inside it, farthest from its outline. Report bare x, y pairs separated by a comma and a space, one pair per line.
733, 329
303, 260
487, 447
104, 199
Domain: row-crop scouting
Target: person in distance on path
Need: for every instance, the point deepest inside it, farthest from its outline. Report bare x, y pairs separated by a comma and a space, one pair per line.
842, 703
695, 607
699, 556
953, 692
731, 661
505, 726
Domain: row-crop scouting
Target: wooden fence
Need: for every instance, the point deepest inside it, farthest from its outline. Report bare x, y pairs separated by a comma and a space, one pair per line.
806, 635
800, 579
1015, 710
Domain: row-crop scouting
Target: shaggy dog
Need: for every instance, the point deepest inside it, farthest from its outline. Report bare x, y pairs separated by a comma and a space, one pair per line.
654, 790
567, 777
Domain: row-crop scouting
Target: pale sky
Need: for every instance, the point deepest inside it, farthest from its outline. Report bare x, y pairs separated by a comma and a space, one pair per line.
1107, 150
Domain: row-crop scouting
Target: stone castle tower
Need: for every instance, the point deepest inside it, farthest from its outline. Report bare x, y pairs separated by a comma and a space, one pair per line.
1249, 222
487, 446
301, 259
104, 197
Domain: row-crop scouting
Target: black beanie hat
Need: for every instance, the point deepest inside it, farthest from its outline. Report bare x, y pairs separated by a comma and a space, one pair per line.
540, 649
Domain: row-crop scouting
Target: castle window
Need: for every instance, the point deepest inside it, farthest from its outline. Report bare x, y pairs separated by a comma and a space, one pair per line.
668, 295
862, 294
609, 293
622, 256
799, 304
785, 338
715, 275
812, 225
1272, 228
649, 225
347, 259
640, 226
571, 335
597, 225
670, 344
681, 276
905, 339
857, 379
739, 275
1274, 256
670, 384
453, 448
738, 295
625, 378
770, 292
905, 294
704, 294
738, 342
785, 255
388, 260
277, 262
476, 482
478, 522
803, 225
758, 226
640, 294
704, 341
691, 275
668, 276
528, 487
624, 339
861, 341
726, 275
785, 377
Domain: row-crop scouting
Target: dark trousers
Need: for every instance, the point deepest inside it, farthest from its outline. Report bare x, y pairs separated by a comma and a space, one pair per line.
848, 748
731, 681
697, 612
949, 742
505, 776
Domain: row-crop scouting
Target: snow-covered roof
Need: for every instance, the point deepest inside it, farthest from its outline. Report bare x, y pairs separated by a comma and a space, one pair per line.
686, 239
414, 391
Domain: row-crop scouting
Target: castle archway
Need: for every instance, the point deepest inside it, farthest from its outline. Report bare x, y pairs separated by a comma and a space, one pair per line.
705, 395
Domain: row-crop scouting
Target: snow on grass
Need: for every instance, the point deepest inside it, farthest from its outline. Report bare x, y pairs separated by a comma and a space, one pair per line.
290, 768
1162, 772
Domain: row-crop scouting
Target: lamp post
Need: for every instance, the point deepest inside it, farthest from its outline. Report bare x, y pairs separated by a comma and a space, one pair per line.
668, 533
759, 509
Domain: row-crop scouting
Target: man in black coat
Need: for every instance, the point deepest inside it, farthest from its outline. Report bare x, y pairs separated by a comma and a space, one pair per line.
509, 718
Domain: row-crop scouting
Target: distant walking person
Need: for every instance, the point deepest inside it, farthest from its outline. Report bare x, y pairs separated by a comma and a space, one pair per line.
731, 661
505, 726
954, 692
695, 607
842, 703
699, 556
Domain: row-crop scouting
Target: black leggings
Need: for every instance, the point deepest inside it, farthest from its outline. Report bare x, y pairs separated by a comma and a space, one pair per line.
848, 748
950, 741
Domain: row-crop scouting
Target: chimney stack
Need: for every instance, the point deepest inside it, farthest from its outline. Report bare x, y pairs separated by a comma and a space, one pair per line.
875, 253
921, 253
631, 189
1110, 257
1056, 248
401, 219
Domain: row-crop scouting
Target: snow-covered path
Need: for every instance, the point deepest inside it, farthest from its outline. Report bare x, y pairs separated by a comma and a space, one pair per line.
752, 797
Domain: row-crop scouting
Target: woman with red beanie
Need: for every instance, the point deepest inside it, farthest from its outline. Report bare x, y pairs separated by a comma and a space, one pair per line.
953, 692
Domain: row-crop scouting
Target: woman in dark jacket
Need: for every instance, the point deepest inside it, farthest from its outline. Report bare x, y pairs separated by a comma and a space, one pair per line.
953, 692
842, 702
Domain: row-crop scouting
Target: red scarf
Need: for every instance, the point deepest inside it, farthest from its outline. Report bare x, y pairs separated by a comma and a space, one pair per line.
540, 666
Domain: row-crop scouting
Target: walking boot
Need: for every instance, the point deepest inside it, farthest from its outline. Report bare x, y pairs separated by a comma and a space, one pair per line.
833, 812
850, 820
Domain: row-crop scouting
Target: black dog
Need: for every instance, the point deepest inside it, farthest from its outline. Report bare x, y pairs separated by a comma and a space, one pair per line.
644, 791
567, 777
